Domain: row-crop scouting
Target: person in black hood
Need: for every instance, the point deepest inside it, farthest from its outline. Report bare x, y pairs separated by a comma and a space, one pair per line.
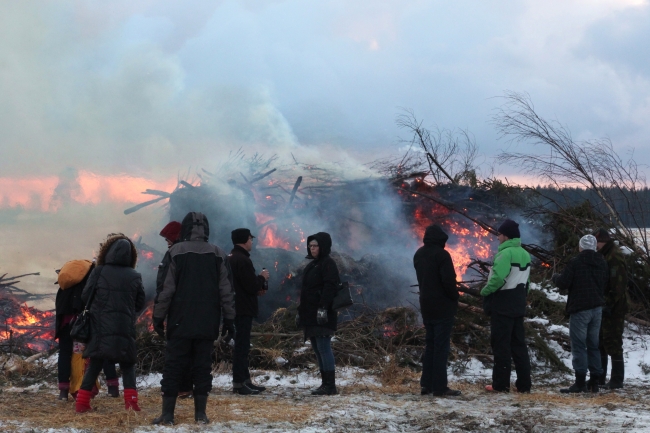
320, 283
438, 305
113, 295
585, 278
196, 290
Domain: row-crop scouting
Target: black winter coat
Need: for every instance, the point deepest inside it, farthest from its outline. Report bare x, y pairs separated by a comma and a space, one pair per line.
69, 302
118, 295
436, 276
196, 286
245, 282
320, 283
585, 278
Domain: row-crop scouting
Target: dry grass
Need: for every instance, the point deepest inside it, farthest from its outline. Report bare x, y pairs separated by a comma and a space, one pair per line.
41, 409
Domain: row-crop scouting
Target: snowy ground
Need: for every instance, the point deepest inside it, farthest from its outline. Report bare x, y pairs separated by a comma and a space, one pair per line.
364, 404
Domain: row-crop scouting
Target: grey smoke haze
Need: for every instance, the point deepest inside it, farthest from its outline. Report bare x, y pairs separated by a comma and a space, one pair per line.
150, 88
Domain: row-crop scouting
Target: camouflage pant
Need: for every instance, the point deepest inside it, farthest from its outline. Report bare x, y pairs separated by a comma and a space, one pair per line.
611, 336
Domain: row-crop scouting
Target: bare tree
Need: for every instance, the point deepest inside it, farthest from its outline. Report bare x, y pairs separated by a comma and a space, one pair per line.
450, 154
592, 164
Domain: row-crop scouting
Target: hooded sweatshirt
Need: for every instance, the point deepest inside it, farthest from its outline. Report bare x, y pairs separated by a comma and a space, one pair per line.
196, 286
320, 284
585, 278
436, 276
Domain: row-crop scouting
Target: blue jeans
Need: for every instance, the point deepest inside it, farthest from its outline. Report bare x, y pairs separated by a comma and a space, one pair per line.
436, 353
323, 349
584, 327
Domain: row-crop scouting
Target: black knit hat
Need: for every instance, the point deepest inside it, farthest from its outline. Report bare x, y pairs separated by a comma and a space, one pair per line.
240, 236
510, 229
602, 235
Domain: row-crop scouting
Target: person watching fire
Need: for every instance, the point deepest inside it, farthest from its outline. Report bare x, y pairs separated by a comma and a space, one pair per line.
614, 311
113, 295
248, 286
584, 278
172, 233
505, 302
196, 291
438, 305
320, 284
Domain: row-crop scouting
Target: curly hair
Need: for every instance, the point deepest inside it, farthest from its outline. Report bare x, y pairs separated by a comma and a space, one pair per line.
106, 245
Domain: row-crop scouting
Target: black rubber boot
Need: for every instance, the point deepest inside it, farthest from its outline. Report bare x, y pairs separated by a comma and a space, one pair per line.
603, 362
579, 386
168, 406
200, 403
113, 391
329, 384
618, 373
243, 390
254, 387
322, 382
63, 394
594, 381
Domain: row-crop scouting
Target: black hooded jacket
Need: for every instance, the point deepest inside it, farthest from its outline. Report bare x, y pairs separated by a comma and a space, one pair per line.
585, 278
436, 276
196, 286
118, 296
68, 302
320, 283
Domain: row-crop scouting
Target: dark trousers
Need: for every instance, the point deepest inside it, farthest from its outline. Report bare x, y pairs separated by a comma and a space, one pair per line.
182, 354
509, 344
243, 326
436, 353
95, 367
64, 364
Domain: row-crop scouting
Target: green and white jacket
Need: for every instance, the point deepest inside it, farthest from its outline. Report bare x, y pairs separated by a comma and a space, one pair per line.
508, 282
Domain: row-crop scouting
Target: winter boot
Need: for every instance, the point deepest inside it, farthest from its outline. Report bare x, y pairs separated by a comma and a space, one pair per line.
83, 401
131, 399
254, 387
603, 363
618, 373
322, 382
579, 386
200, 403
593, 382
63, 393
167, 416
329, 384
242, 389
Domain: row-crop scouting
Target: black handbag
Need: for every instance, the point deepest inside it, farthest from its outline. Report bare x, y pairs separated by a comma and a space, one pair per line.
343, 298
80, 330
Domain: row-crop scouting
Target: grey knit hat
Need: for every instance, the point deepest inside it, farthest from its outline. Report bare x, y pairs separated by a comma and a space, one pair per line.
588, 242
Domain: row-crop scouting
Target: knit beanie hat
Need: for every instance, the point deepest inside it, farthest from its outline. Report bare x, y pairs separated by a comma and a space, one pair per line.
602, 235
510, 229
171, 231
588, 242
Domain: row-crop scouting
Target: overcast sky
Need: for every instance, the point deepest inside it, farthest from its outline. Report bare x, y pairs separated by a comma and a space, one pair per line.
153, 87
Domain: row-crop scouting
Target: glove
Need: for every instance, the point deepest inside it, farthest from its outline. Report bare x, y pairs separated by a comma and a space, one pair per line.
228, 329
321, 316
297, 320
159, 326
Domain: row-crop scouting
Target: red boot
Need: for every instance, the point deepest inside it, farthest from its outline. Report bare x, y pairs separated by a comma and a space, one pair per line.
83, 401
131, 399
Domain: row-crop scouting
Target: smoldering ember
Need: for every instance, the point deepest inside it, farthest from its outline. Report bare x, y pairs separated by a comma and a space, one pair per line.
377, 222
